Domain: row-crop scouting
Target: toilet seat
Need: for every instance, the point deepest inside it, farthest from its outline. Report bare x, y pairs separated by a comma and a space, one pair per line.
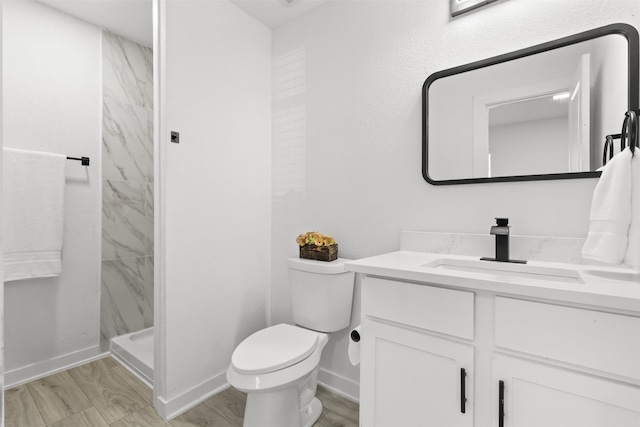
273, 348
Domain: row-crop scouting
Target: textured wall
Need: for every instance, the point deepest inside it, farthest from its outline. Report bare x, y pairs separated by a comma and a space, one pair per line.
127, 190
52, 103
348, 77
214, 201
1, 243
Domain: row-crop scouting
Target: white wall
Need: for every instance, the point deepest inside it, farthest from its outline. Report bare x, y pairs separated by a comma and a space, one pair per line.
1, 243
214, 218
530, 147
358, 104
52, 103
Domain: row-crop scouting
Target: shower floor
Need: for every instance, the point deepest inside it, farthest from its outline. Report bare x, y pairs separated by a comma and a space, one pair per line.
135, 351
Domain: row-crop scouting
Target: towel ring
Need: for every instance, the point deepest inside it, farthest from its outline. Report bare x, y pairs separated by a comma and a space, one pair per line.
633, 130
630, 131
608, 146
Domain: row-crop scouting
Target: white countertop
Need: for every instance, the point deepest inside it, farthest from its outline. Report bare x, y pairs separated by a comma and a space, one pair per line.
595, 291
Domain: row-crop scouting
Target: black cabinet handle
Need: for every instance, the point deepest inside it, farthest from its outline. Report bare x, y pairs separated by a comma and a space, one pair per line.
500, 403
463, 392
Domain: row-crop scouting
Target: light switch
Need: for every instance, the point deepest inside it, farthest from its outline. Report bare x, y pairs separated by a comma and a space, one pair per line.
175, 137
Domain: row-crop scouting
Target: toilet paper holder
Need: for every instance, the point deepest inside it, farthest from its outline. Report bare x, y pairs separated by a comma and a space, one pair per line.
353, 350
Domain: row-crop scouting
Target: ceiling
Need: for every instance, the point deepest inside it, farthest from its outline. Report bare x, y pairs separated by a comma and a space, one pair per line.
129, 18
133, 18
273, 13
528, 110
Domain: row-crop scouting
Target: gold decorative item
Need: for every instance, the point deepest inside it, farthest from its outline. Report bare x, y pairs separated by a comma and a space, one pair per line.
317, 246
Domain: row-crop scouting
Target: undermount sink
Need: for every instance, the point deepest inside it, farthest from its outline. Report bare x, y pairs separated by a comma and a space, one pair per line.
505, 269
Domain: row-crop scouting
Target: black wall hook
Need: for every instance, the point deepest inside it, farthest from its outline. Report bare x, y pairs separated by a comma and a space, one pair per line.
630, 131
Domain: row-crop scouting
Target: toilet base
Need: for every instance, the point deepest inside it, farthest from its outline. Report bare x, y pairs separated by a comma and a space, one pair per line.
283, 398
310, 414
280, 409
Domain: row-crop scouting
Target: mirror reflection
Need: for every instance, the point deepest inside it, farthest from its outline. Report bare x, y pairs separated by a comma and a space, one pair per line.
530, 114
529, 136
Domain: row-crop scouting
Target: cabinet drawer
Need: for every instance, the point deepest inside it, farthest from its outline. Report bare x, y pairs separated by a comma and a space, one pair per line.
603, 341
427, 307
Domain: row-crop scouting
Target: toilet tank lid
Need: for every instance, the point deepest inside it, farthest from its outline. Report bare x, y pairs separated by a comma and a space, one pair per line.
321, 267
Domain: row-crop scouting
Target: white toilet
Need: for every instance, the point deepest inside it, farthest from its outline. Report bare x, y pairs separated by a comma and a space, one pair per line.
278, 366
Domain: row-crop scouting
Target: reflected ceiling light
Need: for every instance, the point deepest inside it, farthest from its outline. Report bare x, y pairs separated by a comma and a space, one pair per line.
561, 96
461, 6
288, 3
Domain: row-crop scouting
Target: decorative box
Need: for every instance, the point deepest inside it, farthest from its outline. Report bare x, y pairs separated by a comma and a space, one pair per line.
319, 253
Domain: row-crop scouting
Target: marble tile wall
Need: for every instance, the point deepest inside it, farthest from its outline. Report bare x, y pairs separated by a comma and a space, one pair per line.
127, 189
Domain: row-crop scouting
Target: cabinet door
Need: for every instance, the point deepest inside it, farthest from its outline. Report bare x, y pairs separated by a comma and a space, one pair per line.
537, 395
411, 379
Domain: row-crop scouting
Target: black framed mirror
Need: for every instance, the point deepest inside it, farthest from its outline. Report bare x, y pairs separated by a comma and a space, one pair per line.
534, 114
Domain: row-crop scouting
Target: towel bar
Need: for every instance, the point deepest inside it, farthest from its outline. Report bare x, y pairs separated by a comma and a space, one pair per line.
84, 160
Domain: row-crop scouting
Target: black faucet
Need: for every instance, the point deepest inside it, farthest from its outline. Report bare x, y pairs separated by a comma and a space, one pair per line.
501, 231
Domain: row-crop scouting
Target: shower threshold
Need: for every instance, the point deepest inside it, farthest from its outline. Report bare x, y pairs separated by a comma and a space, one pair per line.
135, 351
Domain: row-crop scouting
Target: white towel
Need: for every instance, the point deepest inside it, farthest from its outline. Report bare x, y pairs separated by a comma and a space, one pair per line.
33, 209
610, 216
632, 257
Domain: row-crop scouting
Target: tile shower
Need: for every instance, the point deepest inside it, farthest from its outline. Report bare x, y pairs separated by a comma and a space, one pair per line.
127, 188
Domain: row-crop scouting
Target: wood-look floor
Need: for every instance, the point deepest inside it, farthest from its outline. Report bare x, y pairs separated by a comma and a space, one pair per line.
103, 393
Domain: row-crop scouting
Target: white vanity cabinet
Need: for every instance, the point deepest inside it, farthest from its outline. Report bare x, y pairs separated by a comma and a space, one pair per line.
529, 363
414, 379
411, 373
565, 366
539, 394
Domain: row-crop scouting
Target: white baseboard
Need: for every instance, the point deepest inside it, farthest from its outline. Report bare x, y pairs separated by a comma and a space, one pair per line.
48, 367
169, 409
340, 385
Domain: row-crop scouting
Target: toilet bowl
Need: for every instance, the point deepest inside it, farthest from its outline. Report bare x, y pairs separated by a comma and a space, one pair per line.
278, 366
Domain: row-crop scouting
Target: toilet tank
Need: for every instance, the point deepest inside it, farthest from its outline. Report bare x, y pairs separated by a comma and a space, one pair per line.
321, 294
